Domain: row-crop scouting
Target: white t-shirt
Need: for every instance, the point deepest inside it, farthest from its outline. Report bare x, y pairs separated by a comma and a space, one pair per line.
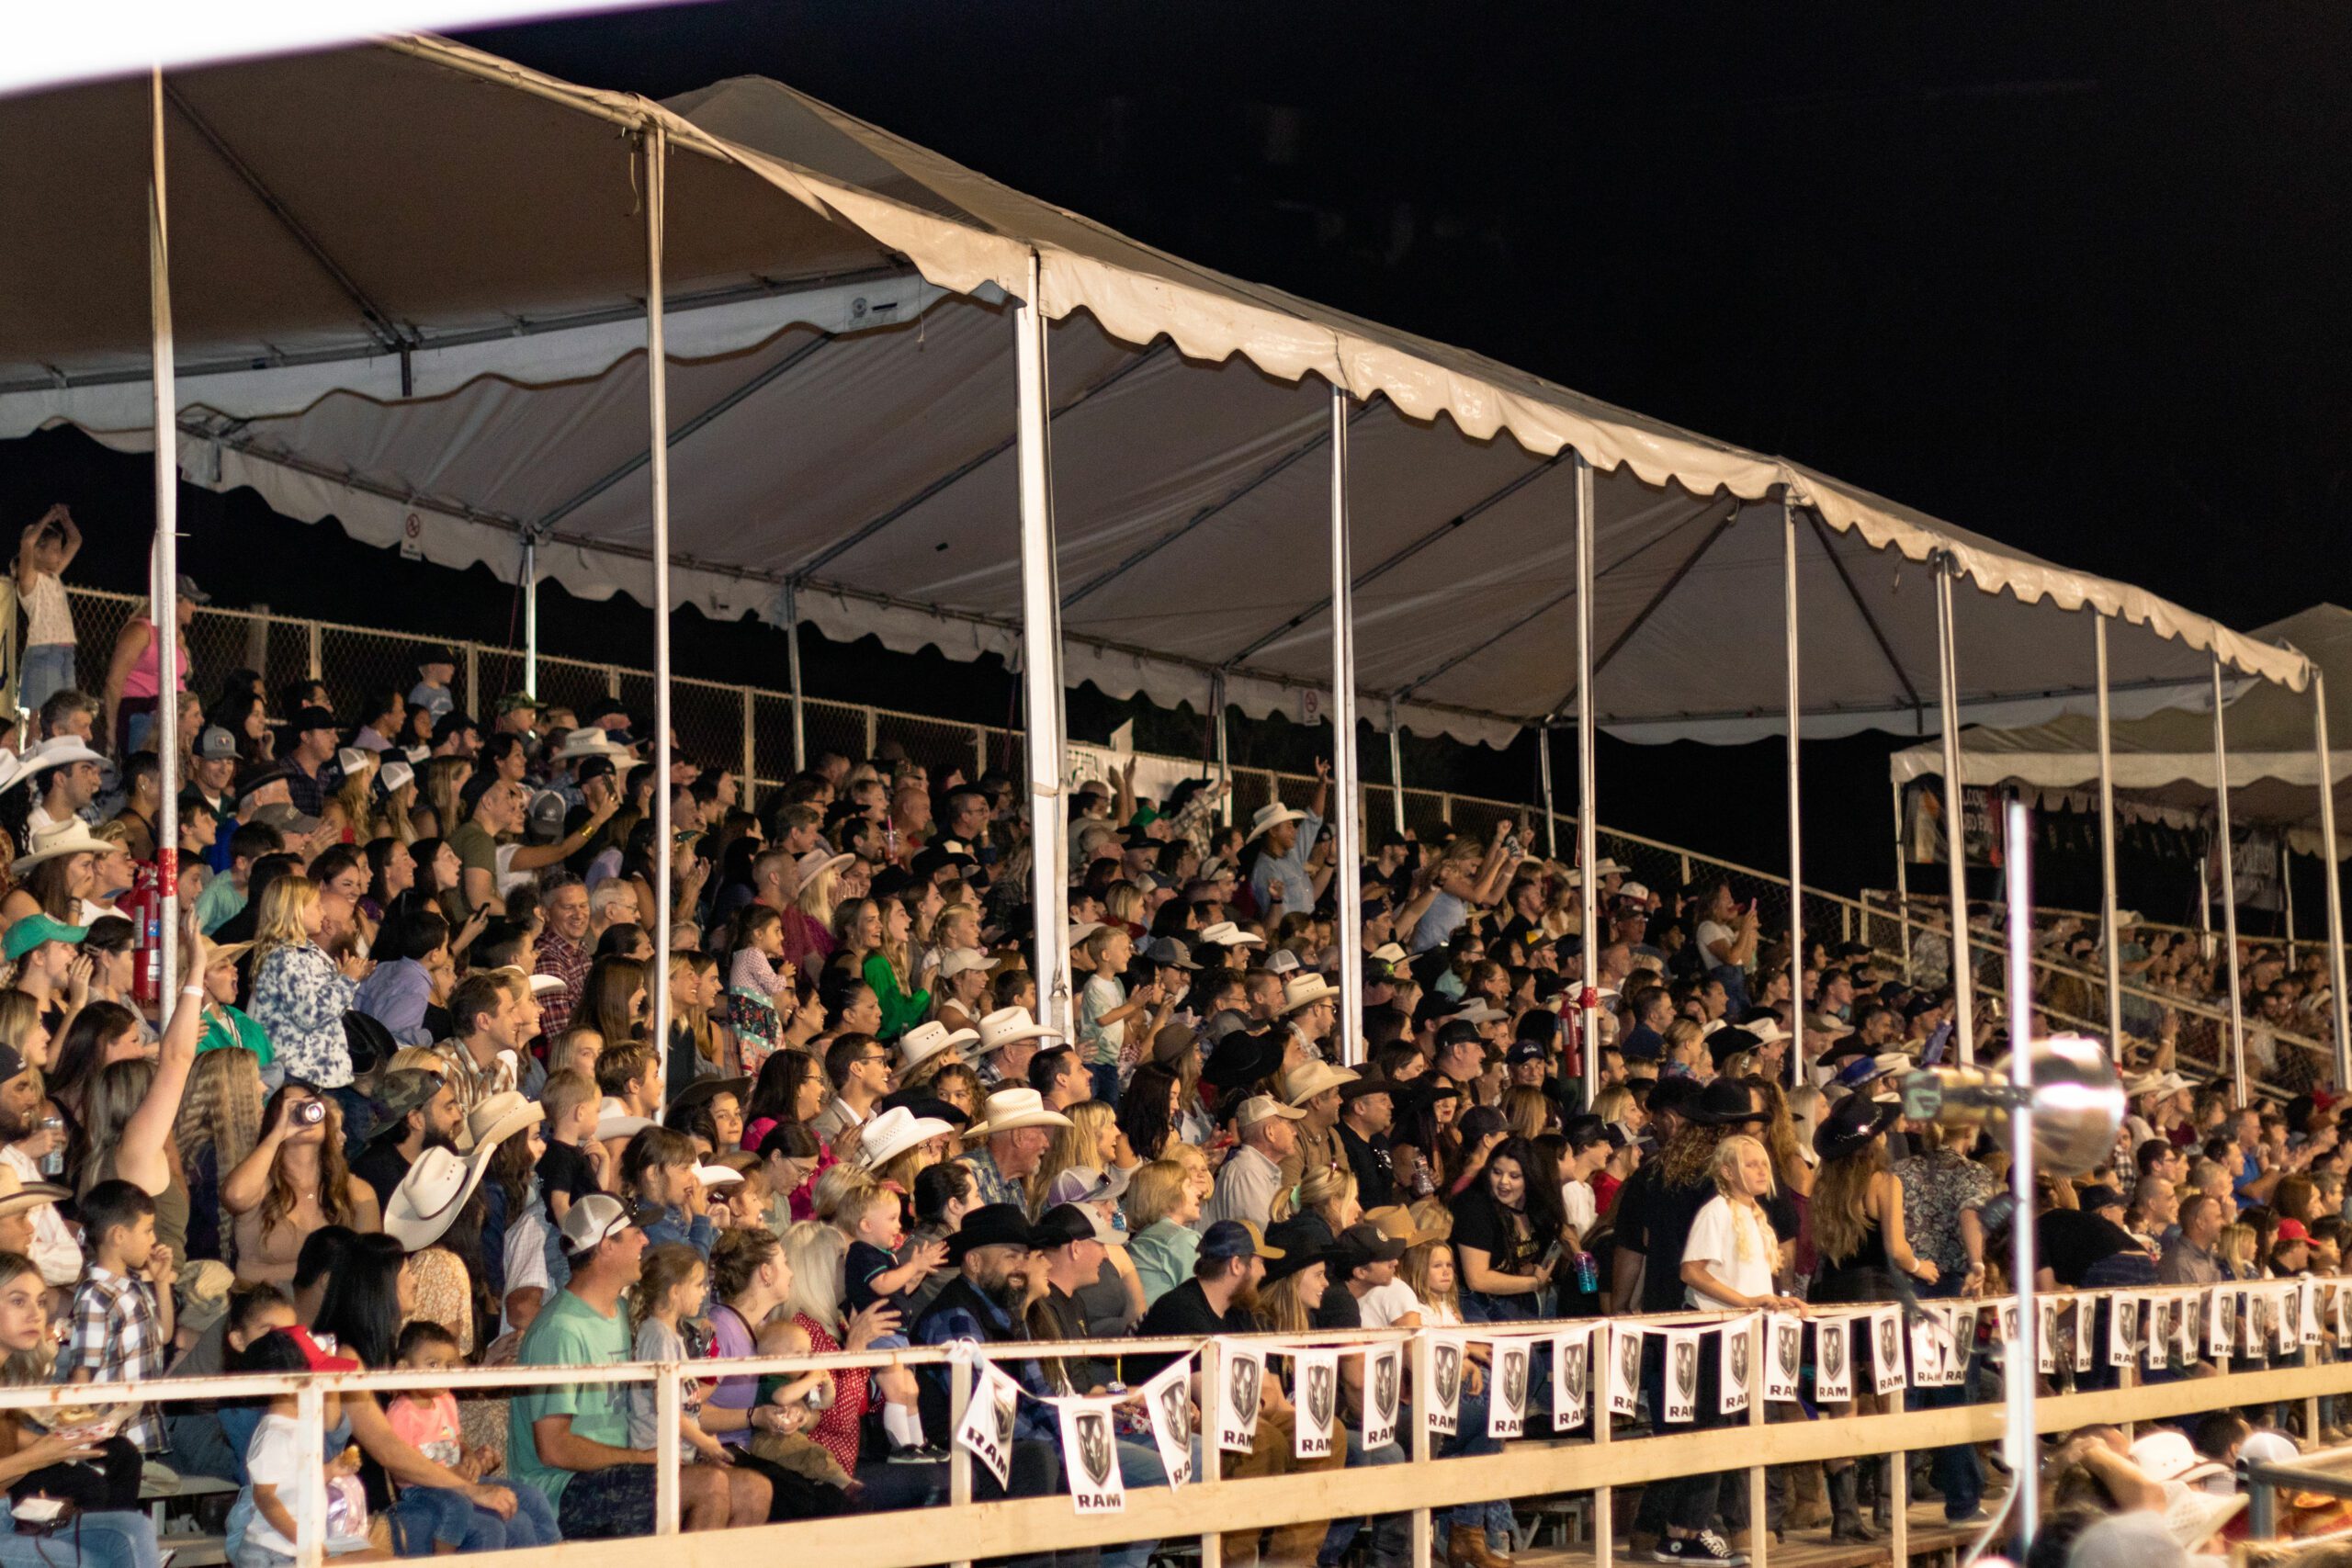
1385, 1306
1577, 1201
274, 1458
526, 1259
1737, 1247
1711, 932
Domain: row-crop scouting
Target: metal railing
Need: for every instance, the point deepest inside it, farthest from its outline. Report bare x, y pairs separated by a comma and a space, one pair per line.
1535, 1466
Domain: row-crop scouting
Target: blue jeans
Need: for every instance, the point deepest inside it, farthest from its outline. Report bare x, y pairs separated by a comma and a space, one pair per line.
424, 1517
1139, 1466
1391, 1533
115, 1538
1958, 1474
48, 669
1469, 1441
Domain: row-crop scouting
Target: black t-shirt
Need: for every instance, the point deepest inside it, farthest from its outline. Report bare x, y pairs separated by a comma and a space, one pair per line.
2071, 1240
1479, 1222
1375, 1172
382, 1167
563, 1169
1340, 1308
1180, 1313
1671, 1211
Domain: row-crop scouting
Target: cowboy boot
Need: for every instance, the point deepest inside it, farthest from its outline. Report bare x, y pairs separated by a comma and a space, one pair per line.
1845, 1516
1808, 1503
1466, 1547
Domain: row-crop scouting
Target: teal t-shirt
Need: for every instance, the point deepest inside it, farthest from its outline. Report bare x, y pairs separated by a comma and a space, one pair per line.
568, 1333
231, 1026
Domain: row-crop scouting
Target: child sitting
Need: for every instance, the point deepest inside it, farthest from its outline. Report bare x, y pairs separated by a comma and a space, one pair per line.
435, 1518
263, 1528
871, 1276
658, 1170
670, 1284
796, 1451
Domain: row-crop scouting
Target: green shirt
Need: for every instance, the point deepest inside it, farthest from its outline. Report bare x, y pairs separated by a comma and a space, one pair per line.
221, 902
568, 1333
477, 850
230, 1026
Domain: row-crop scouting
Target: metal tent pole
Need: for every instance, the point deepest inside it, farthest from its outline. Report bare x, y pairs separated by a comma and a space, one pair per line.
2229, 883
1796, 795
2332, 879
1224, 751
1955, 846
2018, 1445
1041, 664
166, 599
657, 390
1397, 766
1588, 813
1902, 883
531, 615
1543, 775
2110, 939
1347, 850
792, 674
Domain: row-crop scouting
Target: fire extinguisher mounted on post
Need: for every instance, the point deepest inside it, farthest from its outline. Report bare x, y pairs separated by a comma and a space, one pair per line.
144, 906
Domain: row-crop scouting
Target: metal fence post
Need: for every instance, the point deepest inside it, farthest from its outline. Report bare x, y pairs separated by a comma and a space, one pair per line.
317, 666
871, 740
666, 1414
473, 680
960, 1375
1210, 1428
750, 752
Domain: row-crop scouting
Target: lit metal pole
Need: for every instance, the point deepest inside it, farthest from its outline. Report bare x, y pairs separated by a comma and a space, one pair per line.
531, 615
2111, 939
1543, 775
656, 389
2229, 883
2332, 879
2018, 1450
1955, 847
1224, 752
1347, 847
1588, 813
1796, 797
792, 674
1901, 882
1397, 766
164, 602
1041, 665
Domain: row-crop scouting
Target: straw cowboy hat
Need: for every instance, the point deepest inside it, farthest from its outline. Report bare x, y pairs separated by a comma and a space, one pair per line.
894, 1131
498, 1118
1271, 816
815, 864
423, 1206
1008, 1026
71, 836
1307, 1079
924, 1040
1008, 1111
1306, 990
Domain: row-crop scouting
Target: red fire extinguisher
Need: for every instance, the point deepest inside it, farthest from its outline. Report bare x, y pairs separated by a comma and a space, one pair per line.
144, 905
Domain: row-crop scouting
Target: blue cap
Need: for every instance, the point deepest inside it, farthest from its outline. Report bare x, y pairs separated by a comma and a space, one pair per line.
1228, 1239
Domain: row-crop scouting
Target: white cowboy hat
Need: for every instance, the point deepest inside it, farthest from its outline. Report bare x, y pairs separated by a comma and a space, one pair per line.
1307, 1079
71, 836
1766, 1030
544, 984
1608, 867
716, 1175
498, 1118
1008, 1110
894, 1131
593, 743
924, 1040
613, 1121
54, 752
426, 1203
1306, 990
1007, 1026
1225, 933
1080, 929
1388, 953
1270, 817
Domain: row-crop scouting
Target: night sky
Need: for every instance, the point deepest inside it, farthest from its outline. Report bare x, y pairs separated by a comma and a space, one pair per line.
2067, 276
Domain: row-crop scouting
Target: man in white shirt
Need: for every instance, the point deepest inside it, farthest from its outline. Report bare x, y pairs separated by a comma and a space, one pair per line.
1252, 1174
54, 1251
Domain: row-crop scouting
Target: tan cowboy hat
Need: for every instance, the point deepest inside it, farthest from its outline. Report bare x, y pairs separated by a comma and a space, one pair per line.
924, 1040
423, 1206
1225, 933
1009, 1110
1008, 1026
1306, 990
71, 836
1396, 1221
500, 1117
1307, 1079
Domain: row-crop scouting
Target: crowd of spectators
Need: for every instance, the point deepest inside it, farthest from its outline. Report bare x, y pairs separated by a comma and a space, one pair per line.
402, 1107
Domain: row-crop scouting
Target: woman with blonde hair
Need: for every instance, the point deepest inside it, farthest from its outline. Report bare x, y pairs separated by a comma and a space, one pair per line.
1616, 1104
1325, 1203
445, 784
352, 811
1091, 1139
218, 1124
960, 988
1161, 1206
809, 924
1530, 1112
300, 995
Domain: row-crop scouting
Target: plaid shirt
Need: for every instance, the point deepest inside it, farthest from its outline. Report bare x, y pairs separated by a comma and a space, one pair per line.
993, 1186
117, 1337
569, 963
470, 1084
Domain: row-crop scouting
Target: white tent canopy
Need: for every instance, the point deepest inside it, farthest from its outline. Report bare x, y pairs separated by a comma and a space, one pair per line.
2163, 764
407, 283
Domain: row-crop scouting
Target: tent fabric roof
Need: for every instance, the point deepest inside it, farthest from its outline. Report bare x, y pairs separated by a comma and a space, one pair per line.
2165, 761
383, 319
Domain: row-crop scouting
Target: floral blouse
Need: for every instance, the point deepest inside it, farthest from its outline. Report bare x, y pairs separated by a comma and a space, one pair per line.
300, 996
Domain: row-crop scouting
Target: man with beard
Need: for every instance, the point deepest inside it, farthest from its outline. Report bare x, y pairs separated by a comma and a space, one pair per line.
998, 1277
54, 1251
1366, 1112
419, 1113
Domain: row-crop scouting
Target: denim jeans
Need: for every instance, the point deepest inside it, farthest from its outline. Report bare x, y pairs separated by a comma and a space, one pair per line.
1391, 1533
48, 667
1958, 1474
1140, 1466
115, 1538
424, 1517
1470, 1440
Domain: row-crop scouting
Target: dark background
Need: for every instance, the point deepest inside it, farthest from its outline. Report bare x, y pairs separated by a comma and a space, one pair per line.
2068, 275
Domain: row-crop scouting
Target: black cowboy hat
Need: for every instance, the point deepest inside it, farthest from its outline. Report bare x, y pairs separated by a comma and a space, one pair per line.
1722, 1103
991, 1224
1851, 1123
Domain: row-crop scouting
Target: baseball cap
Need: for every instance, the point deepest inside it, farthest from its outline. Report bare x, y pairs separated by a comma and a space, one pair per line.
513, 702
286, 819
1068, 1223
310, 718
1363, 1243
30, 933
595, 1220
1229, 1239
1265, 1108
215, 744
2094, 1199
2288, 1230
1524, 1051
401, 1091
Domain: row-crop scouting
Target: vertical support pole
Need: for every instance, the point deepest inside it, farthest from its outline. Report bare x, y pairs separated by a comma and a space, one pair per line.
1212, 1424
791, 673
2331, 878
750, 752
1796, 797
666, 1415
1543, 773
961, 1374
2287, 891
1902, 883
1587, 812
1397, 768
310, 1497
1757, 1509
1346, 820
1041, 664
531, 613
657, 387
1605, 1498
2229, 883
166, 597
473, 671
1955, 846
314, 657
873, 731
2205, 906
2110, 939
980, 751
1422, 1364
2020, 1452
